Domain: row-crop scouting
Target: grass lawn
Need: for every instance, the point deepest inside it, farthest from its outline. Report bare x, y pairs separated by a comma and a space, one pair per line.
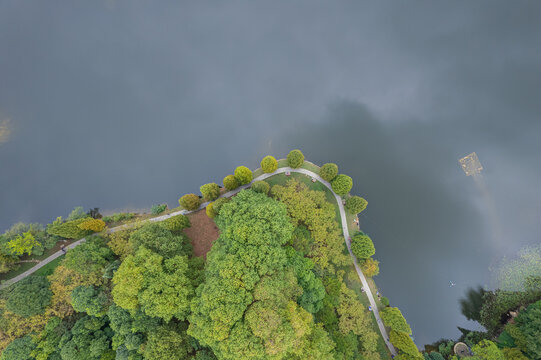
49, 268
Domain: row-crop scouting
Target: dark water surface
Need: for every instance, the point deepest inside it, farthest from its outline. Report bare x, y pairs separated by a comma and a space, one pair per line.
125, 104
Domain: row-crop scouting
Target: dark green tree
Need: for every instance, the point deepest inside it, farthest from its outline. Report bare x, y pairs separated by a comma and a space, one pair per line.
29, 297
362, 246
90, 300
19, 349
355, 204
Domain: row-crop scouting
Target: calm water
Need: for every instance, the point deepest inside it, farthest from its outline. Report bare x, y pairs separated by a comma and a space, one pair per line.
121, 104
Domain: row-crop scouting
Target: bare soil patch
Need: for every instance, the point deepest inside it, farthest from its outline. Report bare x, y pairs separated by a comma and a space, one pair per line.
202, 232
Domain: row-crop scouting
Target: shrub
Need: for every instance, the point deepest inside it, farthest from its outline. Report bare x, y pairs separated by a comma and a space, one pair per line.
217, 205
158, 209
209, 210
328, 171
261, 187
295, 159
68, 229
190, 202
362, 246
29, 297
370, 267
210, 191
243, 175
269, 164
176, 223
385, 301
342, 184
95, 225
230, 183
355, 204
118, 217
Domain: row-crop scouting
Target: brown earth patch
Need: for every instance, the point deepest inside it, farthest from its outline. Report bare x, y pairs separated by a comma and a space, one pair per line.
202, 232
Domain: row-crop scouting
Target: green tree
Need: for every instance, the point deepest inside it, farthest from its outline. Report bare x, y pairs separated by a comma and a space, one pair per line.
48, 339
328, 171
404, 344
487, 350
513, 354
89, 258
176, 223
370, 267
190, 202
93, 225
262, 187
210, 191
295, 159
23, 244
19, 349
29, 297
90, 300
230, 183
393, 318
167, 342
342, 184
161, 287
209, 210
243, 175
217, 205
160, 240
88, 339
269, 164
362, 246
355, 204
473, 303
529, 324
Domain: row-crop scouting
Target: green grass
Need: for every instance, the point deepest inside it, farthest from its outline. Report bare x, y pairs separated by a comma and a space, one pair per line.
49, 268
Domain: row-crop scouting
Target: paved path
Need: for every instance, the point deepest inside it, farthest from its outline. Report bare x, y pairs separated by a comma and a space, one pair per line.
229, 194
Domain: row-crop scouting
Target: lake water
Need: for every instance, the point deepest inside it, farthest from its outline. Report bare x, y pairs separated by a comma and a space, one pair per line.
122, 105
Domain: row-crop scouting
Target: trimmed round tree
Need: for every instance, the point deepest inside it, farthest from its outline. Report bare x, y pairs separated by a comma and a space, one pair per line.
342, 184
370, 267
190, 202
210, 191
269, 164
295, 159
261, 187
29, 297
209, 210
95, 225
230, 182
362, 246
243, 175
355, 204
328, 171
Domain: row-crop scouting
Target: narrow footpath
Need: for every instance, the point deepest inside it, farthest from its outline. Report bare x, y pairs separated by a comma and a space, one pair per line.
229, 194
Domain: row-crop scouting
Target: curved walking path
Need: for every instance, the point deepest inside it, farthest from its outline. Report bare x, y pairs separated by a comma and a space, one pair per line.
229, 194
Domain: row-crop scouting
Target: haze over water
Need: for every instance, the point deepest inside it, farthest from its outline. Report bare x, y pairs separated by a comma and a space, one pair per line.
125, 104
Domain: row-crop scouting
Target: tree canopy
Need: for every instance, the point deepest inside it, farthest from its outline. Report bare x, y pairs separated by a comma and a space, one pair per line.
269, 164
29, 297
328, 171
295, 158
